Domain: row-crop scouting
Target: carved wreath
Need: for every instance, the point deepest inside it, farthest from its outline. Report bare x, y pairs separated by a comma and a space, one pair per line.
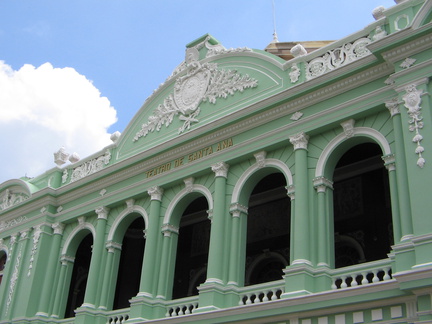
201, 83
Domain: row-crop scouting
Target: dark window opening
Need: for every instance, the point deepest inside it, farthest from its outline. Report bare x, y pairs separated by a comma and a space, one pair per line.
129, 273
192, 249
79, 276
268, 230
362, 209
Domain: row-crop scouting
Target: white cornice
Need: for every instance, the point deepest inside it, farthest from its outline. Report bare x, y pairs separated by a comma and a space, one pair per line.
407, 49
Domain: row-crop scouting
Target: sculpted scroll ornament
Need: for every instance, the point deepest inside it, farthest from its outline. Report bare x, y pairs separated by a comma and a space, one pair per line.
202, 82
337, 57
88, 167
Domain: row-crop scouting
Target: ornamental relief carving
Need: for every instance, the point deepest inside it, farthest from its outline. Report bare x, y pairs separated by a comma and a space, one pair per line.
4, 225
202, 83
9, 198
87, 168
337, 57
412, 100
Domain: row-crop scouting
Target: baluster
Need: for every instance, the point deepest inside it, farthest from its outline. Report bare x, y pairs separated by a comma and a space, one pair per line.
344, 284
273, 294
386, 273
333, 286
354, 282
375, 276
248, 300
188, 309
364, 280
241, 302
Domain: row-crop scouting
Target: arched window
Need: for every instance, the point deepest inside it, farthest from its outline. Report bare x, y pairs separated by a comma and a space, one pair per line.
268, 230
192, 249
79, 275
362, 209
3, 259
129, 273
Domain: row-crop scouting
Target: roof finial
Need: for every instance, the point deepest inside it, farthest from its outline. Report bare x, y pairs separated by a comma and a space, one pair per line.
275, 37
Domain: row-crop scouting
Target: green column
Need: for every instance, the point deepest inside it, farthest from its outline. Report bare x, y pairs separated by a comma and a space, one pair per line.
149, 270
324, 235
95, 263
238, 246
301, 240
9, 268
389, 162
108, 284
217, 233
45, 296
167, 262
402, 192
61, 291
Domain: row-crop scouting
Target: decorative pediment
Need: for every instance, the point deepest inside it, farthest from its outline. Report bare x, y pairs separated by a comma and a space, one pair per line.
202, 82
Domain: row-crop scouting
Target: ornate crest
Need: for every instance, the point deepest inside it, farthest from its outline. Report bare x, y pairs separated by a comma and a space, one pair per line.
202, 82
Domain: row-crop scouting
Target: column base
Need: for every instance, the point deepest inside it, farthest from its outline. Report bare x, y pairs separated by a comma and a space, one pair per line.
214, 296
299, 280
144, 308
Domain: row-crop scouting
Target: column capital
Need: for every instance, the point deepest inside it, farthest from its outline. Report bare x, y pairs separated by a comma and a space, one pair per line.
236, 209
168, 229
65, 259
220, 169
13, 239
111, 246
102, 212
322, 183
24, 234
393, 106
155, 193
389, 162
58, 228
290, 191
300, 141
210, 214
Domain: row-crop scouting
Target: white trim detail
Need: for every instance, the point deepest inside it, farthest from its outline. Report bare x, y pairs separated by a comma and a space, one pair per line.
128, 210
357, 131
190, 187
253, 168
81, 226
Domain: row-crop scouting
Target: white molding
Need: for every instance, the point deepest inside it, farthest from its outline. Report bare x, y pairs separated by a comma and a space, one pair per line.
127, 211
255, 167
184, 192
73, 233
336, 141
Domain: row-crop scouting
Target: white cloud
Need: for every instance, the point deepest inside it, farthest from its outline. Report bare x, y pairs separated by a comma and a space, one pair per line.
44, 108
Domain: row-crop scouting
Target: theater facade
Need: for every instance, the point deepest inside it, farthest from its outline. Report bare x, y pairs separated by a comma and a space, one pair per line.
247, 189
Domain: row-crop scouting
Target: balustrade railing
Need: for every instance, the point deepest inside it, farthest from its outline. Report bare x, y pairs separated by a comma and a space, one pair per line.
362, 274
183, 306
261, 293
119, 316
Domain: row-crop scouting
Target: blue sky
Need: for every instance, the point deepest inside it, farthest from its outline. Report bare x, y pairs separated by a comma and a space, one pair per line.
100, 60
